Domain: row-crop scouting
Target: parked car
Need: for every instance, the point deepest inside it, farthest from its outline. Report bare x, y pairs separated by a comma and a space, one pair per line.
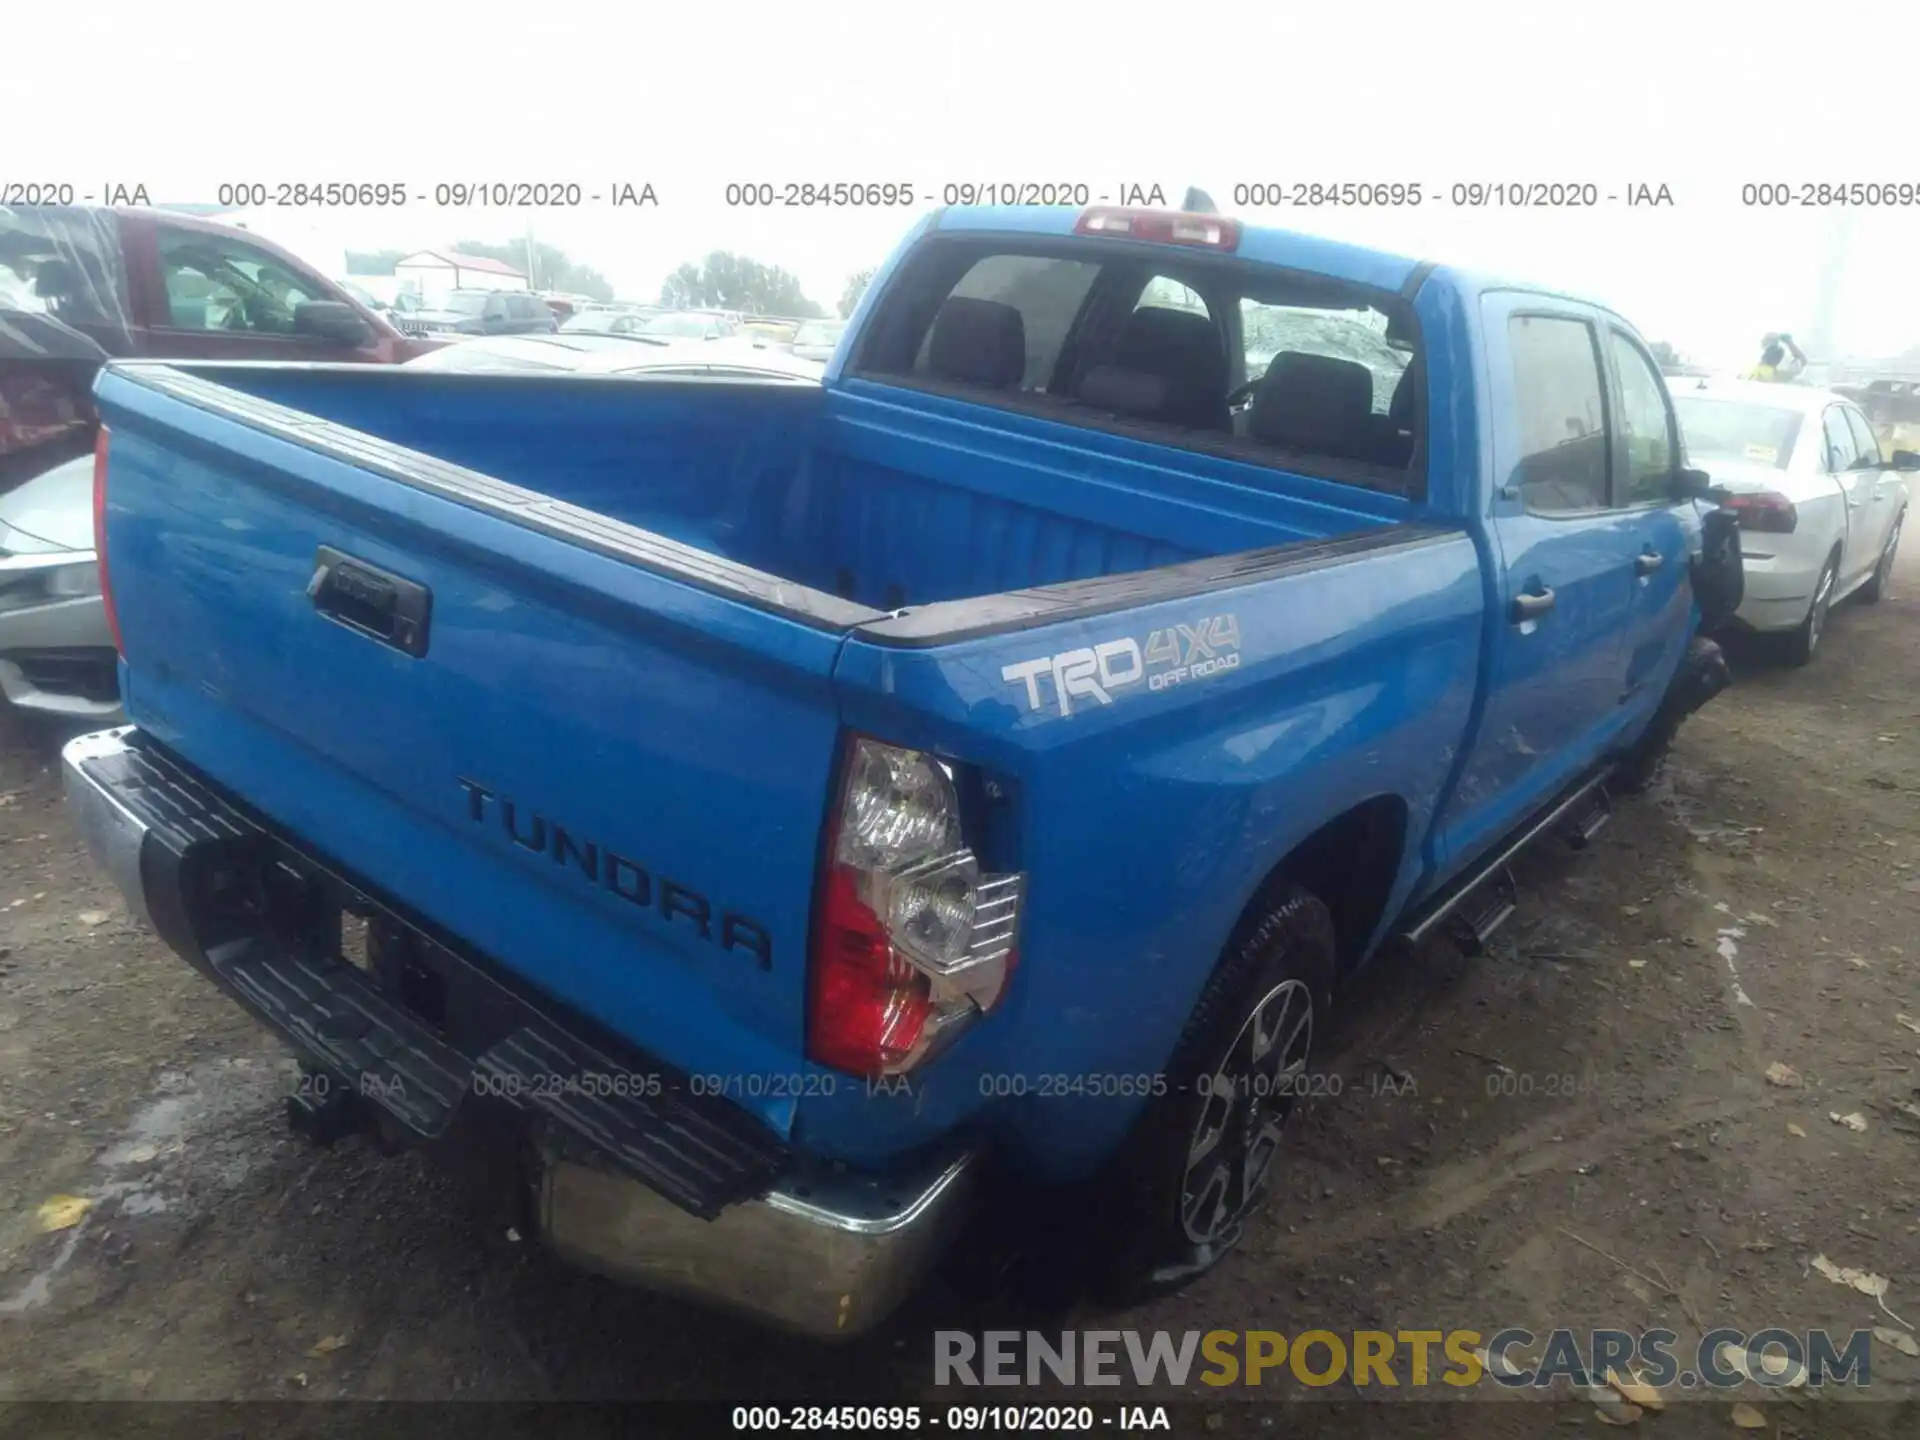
778, 333
816, 339
1820, 505
482, 312
56, 652
780, 802
592, 354
82, 284
608, 322
690, 325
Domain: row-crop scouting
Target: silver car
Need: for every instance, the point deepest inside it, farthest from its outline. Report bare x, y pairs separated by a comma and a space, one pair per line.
56, 653
1821, 507
817, 339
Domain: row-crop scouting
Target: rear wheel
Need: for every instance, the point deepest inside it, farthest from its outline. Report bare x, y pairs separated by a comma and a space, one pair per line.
1875, 589
1802, 642
1195, 1168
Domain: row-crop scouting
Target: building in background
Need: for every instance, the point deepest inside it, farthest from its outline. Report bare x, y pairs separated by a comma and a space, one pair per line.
431, 274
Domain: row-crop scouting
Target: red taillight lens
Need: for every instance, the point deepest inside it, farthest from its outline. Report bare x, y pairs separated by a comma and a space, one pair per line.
1165, 227
1764, 510
911, 941
100, 539
869, 1007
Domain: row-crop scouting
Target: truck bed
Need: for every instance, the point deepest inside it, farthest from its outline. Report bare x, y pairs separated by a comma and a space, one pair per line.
856, 495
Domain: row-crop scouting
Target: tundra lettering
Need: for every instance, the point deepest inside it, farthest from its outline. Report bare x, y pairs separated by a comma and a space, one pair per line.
629, 880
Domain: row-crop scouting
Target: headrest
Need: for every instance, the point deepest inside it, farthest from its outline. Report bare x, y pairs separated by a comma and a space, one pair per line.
1159, 341
978, 342
1125, 392
56, 280
1311, 402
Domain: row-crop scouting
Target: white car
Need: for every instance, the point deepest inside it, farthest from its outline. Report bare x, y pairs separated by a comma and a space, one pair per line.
1820, 506
56, 651
626, 355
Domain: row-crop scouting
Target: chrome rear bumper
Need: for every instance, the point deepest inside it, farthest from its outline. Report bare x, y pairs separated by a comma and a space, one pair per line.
827, 1256
822, 1253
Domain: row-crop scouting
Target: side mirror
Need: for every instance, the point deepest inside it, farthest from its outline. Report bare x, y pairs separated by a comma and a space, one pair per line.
331, 320
1906, 460
1691, 484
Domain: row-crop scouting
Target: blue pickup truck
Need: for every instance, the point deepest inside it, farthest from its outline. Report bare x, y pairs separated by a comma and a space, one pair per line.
773, 813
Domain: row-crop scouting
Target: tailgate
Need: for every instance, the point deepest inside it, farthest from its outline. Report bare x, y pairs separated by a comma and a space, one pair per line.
607, 779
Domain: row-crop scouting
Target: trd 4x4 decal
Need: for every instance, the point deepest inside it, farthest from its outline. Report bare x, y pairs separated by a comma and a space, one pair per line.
1169, 657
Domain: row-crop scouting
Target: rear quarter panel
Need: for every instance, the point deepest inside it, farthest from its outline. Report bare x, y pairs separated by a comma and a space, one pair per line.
1146, 824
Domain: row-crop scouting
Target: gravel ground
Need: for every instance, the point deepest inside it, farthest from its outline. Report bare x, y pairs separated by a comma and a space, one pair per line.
1576, 1129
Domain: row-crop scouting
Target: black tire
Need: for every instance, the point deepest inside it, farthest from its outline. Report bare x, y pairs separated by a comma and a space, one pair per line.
1643, 766
1800, 643
1155, 1234
1875, 590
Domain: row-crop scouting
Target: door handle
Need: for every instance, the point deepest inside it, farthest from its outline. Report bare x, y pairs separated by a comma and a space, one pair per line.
1647, 561
1531, 605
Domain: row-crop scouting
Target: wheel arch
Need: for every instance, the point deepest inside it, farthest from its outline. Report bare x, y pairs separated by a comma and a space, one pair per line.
1350, 864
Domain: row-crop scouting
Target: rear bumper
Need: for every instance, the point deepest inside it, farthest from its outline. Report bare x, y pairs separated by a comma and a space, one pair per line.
58, 657
1779, 588
637, 1176
822, 1255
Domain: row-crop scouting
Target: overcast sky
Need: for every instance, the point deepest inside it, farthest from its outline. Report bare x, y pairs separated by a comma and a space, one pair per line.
1699, 97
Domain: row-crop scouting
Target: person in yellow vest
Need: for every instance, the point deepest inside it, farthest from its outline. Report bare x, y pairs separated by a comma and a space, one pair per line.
1775, 363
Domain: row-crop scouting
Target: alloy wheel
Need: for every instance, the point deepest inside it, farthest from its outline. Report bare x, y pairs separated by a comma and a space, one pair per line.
1822, 602
1247, 1101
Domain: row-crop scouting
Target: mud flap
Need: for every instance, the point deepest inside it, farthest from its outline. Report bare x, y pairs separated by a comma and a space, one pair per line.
1719, 574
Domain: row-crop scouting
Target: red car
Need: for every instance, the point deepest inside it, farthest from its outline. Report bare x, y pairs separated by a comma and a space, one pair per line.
80, 285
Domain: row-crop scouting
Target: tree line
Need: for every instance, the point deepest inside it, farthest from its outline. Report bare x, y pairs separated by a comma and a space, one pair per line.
722, 280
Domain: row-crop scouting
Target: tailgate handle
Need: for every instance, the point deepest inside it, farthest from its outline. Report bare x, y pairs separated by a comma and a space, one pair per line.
375, 602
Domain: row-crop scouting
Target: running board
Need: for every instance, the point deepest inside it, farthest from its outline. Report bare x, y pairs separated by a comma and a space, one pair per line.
1493, 903
1589, 820
1577, 806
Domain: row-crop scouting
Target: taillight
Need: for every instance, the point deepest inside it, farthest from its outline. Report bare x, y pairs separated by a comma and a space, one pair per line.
912, 940
100, 539
1763, 510
1166, 227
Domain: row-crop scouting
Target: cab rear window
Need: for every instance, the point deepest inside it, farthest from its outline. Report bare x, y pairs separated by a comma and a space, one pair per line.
1207, 353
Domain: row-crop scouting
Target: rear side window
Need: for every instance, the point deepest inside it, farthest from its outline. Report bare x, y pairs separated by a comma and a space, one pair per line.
1560, 411
64, 263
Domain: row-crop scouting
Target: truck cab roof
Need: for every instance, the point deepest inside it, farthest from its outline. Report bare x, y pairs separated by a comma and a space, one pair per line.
1264, 245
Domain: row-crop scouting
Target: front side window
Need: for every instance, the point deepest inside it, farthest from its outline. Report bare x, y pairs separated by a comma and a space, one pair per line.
214, 283
1560, 411
1866, 445
1841, 452
1645, 430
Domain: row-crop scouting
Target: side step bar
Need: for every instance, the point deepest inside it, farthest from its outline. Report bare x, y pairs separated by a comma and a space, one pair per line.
1585, 808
